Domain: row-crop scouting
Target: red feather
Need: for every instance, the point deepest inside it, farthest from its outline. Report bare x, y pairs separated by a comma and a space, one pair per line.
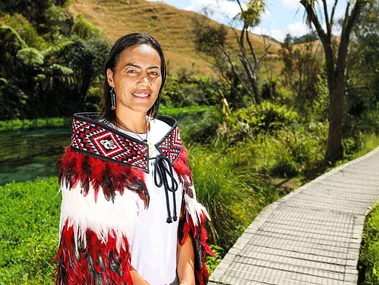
96, 261
110, 176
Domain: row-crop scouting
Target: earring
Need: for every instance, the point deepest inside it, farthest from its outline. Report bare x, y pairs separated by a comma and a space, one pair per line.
113, 100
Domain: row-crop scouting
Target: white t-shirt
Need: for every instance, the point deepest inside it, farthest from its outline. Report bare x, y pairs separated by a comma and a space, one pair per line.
154, 245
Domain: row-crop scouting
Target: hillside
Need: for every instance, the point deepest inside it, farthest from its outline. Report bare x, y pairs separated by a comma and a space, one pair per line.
172, 27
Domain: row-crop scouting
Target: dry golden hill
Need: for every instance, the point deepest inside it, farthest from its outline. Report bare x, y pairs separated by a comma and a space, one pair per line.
172, 27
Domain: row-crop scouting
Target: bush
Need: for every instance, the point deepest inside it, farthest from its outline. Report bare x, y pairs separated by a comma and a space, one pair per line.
266, 118
289, 152
181, 91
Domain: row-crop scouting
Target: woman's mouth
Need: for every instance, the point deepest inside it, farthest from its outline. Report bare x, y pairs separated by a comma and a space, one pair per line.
141, 94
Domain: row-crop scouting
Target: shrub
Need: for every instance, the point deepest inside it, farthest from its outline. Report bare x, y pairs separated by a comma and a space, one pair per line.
266, 118
183, 91
290, 152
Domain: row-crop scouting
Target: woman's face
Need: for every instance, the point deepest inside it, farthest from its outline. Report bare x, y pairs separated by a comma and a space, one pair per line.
136, 79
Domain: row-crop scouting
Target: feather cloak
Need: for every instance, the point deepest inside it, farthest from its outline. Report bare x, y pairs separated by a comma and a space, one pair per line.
102, 182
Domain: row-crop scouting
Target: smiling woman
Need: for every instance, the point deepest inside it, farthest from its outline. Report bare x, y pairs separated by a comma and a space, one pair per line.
129, 213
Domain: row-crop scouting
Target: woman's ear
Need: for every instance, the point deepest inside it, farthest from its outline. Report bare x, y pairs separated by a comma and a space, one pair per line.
110, 77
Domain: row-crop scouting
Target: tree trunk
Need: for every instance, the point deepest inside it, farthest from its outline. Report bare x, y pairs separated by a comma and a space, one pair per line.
335, 147
254, 85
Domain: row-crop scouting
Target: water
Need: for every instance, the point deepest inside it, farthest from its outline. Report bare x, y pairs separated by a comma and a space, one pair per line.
25, 155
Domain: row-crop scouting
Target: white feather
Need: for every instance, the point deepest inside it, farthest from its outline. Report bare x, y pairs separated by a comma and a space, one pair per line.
102, 216
194, 209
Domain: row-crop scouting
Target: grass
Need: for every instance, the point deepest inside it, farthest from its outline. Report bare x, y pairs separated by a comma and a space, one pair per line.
369, 142
29, 218
369, 254
173, 112
15, 125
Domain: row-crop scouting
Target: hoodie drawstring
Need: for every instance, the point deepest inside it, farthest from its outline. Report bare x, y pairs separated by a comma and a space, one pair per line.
163, 170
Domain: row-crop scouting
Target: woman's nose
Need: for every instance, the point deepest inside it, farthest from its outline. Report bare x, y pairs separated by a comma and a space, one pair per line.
144, 81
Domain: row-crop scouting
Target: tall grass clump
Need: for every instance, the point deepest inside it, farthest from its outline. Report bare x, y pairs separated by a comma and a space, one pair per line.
231, 193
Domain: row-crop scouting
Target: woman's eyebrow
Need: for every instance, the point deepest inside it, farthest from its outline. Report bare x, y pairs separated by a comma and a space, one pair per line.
137, 66
132, 64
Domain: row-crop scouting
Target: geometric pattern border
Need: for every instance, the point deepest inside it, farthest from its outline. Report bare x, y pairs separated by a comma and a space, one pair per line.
96, 139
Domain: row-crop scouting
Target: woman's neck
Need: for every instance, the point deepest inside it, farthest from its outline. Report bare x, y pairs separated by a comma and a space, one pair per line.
132, 121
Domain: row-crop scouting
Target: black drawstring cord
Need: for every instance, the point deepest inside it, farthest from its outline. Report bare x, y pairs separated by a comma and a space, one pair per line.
163, 168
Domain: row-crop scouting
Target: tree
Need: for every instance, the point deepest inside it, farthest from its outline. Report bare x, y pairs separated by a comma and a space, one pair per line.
363, 72
335, 56
36, 74
250, 17
302, 66
86, 59
212, 40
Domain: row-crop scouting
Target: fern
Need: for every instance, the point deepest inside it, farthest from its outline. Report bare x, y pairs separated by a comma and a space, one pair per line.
30, 56
56, 48
9, 37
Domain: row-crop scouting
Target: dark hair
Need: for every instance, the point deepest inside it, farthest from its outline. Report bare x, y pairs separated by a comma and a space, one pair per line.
113, 59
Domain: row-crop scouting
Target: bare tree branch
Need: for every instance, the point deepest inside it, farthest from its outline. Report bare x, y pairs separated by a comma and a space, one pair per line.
328, 28
233, 69
252, 51
346, 31
314, 19
239, 4
332, 16
264, 54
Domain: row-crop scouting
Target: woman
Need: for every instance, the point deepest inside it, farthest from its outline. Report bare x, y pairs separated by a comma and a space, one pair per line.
129, 213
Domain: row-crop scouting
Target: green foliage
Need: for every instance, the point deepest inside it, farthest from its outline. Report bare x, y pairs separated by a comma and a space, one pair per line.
236, 68
213, 261
231, 193
204, 130
363, 74
369, 254
302, 66
178, 111
30, 56
14, 125
52, 74
84, 29
251, 15
26, 31
29, 218
183, 89
266, 118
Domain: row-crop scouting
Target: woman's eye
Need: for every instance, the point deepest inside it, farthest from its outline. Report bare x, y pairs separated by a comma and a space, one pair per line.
154, 73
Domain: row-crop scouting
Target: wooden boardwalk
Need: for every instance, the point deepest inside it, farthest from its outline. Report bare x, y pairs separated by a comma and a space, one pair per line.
311, 236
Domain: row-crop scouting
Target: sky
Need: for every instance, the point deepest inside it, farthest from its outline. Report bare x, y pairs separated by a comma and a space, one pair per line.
281, 16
